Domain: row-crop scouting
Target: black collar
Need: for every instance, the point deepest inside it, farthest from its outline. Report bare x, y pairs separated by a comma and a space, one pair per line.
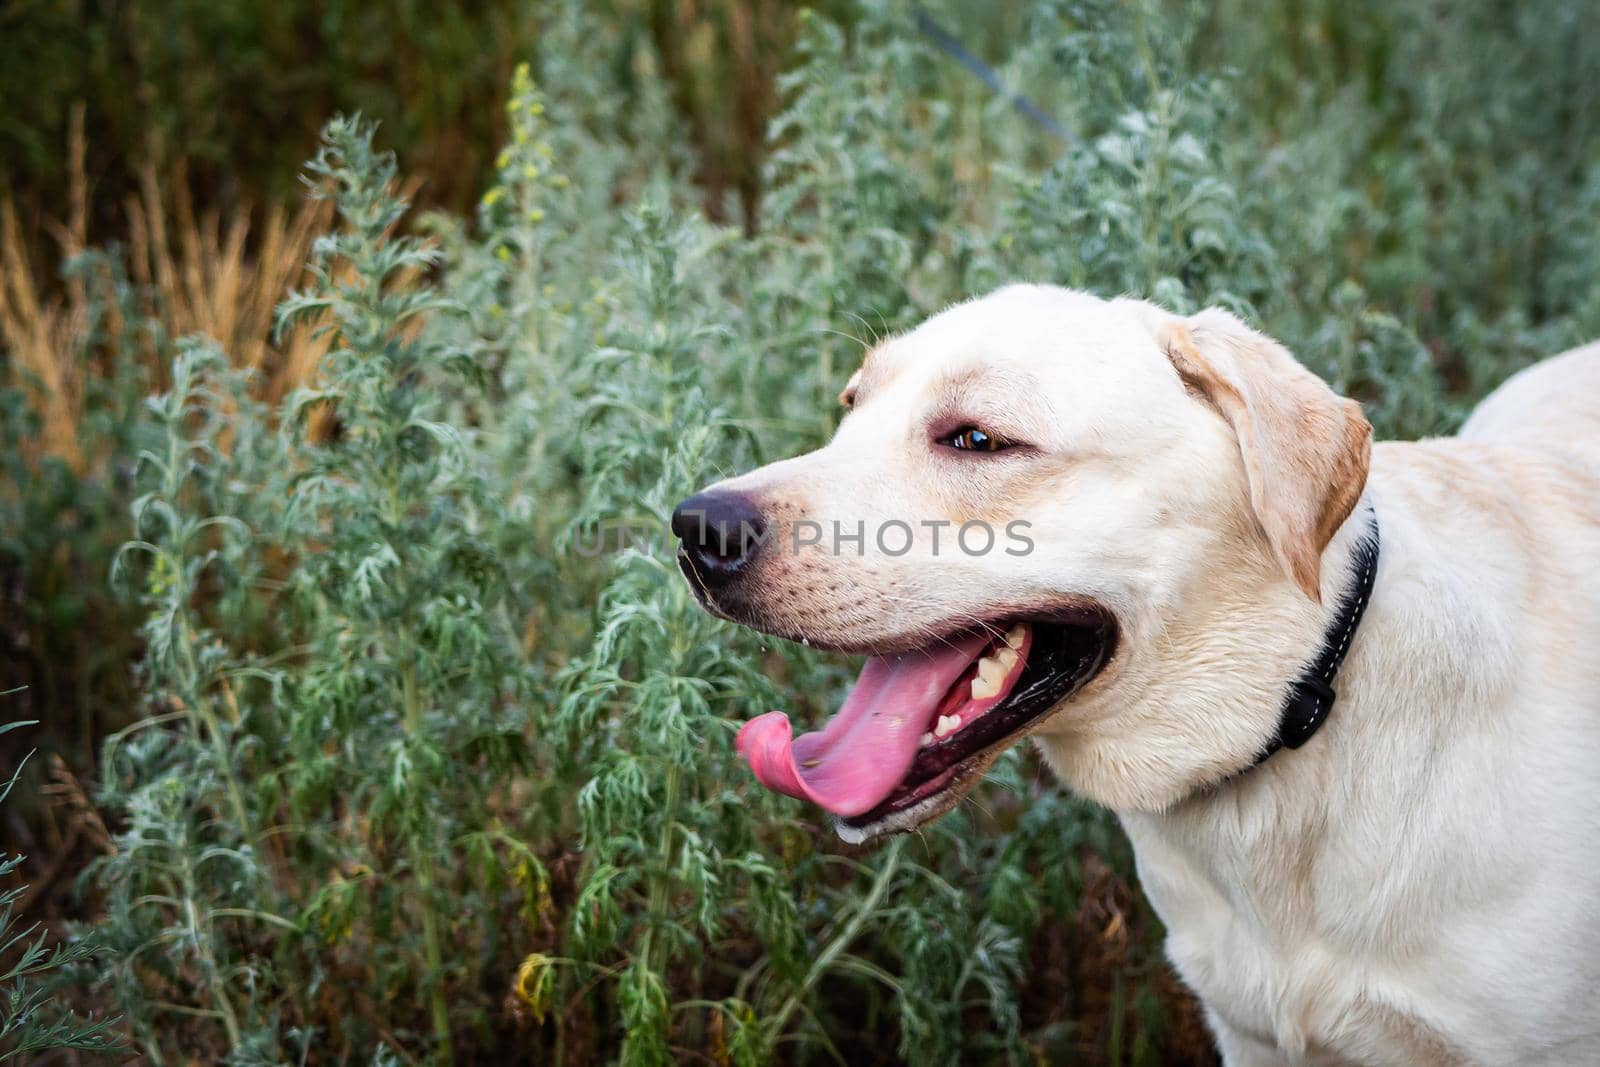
1311, 695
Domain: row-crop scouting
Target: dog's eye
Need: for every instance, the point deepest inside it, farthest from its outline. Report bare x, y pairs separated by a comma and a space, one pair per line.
972, 439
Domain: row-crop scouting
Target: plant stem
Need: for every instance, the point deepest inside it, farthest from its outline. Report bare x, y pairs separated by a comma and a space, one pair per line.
661, 882
422, 866
209, 724
825, 958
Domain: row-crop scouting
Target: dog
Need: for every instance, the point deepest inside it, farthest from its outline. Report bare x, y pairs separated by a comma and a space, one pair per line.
1344, 697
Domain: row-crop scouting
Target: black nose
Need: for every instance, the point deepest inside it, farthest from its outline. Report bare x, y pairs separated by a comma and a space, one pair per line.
721, 532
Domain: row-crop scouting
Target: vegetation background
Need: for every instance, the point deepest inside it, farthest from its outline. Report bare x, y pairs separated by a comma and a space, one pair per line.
344, 753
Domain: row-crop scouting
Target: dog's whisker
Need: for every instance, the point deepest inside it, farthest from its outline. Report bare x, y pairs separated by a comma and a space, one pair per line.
971, 798
847, 336
875, 338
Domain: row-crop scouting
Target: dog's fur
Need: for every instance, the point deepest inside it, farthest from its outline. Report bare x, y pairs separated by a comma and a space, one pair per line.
1418, 884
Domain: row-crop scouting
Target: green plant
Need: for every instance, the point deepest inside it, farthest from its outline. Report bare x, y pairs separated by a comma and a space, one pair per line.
430, 765
31, 970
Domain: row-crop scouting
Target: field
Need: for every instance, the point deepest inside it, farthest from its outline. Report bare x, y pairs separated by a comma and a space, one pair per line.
346, 749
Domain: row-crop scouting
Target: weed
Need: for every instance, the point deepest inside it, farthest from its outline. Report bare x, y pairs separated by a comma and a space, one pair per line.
416, 775
31, 970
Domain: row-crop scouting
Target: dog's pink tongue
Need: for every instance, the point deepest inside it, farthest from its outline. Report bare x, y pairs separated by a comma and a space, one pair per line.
852, 764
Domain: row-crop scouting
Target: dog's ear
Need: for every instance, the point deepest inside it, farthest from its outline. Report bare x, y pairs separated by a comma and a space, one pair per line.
1306, 449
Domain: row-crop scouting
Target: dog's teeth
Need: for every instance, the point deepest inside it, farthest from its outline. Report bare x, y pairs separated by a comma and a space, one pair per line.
948, 724
927, 739
1015, 635
992, 671
984, 687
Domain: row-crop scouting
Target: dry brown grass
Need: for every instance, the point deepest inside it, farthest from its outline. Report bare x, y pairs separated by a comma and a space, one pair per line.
40, 332
209, 278
194, 275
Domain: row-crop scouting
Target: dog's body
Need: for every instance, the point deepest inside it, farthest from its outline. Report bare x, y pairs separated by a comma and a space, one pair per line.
1420, 885
1417, 884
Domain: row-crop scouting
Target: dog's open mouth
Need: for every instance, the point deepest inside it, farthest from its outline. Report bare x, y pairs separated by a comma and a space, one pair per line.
920, 727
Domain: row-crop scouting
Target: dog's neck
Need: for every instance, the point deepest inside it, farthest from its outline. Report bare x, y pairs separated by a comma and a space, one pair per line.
1187, 723
1311, 695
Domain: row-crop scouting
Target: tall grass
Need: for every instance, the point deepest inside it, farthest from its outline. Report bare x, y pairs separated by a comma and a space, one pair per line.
416, 775
31, 969
77, 357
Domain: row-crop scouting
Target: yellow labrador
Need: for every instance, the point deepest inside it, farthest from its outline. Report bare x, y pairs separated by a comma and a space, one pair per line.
1160, 546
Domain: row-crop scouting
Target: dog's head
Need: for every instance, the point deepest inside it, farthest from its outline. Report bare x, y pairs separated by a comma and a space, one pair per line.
1038, 504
